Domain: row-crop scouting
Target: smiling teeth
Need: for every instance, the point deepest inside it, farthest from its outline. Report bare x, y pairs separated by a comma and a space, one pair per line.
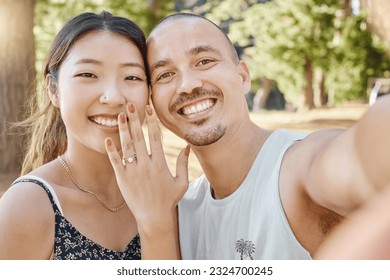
105, 121
196, 108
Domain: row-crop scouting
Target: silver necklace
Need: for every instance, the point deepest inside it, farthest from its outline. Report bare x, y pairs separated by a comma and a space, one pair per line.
98, 198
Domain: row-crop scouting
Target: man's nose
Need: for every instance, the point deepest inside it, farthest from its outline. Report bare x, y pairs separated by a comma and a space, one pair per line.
188, 81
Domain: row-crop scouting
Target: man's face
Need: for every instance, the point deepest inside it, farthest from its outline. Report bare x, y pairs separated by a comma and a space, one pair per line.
197, 86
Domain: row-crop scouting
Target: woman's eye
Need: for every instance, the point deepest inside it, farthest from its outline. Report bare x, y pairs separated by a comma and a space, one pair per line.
87, 75
132, 78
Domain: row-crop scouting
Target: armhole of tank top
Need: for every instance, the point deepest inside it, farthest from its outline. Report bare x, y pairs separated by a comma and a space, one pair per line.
279, 199
47, 185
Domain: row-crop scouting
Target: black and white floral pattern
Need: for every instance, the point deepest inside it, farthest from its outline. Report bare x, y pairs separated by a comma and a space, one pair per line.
70, 244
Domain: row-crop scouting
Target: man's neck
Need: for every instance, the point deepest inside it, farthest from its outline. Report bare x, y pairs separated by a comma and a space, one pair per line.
227, 162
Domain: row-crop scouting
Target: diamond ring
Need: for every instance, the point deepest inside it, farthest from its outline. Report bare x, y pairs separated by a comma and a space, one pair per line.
130, 159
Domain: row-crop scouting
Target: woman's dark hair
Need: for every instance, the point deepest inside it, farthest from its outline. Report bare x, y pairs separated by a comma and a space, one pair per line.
85, 23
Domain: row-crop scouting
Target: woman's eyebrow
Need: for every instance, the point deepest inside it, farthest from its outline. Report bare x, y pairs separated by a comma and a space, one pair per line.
94, 61
132, 64
88, 61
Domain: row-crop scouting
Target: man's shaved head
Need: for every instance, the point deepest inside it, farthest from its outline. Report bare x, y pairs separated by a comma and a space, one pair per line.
187, 16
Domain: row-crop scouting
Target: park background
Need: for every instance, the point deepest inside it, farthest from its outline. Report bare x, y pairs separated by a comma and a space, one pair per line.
313, 62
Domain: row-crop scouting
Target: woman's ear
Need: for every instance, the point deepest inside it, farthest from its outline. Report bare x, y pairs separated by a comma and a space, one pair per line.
52, 91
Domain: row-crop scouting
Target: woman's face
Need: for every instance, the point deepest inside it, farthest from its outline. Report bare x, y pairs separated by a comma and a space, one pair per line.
100, 75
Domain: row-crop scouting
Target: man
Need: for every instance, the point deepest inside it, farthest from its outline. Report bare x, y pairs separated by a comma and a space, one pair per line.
264, 194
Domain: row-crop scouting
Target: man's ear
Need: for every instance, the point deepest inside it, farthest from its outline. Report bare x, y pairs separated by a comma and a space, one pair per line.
52, 91
245, 77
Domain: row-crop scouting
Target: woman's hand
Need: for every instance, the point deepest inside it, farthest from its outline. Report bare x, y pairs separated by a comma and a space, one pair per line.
149, 189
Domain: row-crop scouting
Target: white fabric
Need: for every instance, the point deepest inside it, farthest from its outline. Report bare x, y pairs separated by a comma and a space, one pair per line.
250, 223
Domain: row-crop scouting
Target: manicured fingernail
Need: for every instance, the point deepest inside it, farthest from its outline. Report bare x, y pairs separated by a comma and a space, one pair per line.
149, 110
187, 150
122, 118
108, 142
131, 108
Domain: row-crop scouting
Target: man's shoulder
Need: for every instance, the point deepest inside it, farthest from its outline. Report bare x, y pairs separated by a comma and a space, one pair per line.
201, 180
197, 188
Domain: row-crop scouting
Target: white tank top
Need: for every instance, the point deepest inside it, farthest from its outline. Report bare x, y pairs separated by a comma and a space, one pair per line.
248, 224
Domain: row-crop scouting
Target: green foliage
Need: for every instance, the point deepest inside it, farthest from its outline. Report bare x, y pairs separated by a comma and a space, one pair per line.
285, 33
359, 56
145, 13
50, 15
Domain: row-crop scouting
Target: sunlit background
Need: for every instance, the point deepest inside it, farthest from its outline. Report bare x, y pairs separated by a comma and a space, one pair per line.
306, 53
303, 54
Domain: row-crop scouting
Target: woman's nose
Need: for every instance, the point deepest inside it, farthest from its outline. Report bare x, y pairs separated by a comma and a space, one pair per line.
113, 95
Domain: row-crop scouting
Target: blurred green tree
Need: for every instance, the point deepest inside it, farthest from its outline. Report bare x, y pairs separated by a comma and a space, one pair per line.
304, 45
358, 56
52, 14
24, 22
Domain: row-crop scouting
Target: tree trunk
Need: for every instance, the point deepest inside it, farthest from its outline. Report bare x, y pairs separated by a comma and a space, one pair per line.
347, 8
308, 91
267, 86
323, 93
17, 74
378, 18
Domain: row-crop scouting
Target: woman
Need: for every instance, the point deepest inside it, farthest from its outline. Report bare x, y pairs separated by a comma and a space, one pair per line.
69, 205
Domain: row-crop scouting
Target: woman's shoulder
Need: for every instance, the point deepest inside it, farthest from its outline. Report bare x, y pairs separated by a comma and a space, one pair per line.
35, 186
26, 221
27, 197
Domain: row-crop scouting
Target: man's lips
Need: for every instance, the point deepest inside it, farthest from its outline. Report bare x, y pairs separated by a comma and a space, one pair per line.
197, 107
197, 101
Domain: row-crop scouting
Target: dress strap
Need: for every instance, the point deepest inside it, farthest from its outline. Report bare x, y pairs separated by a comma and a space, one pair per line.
46, 186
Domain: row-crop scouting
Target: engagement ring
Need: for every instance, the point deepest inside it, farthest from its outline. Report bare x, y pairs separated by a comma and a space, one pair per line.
130, 159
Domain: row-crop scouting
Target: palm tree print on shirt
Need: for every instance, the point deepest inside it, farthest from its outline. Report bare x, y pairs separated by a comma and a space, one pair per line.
245, 248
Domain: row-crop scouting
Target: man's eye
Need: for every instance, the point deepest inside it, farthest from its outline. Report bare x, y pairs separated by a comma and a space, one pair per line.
164, 76
205, 61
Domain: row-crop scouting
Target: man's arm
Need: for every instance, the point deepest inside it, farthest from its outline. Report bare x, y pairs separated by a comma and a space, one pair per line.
353, 165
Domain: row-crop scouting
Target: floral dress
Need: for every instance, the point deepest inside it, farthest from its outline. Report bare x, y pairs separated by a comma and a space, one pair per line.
70, 244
